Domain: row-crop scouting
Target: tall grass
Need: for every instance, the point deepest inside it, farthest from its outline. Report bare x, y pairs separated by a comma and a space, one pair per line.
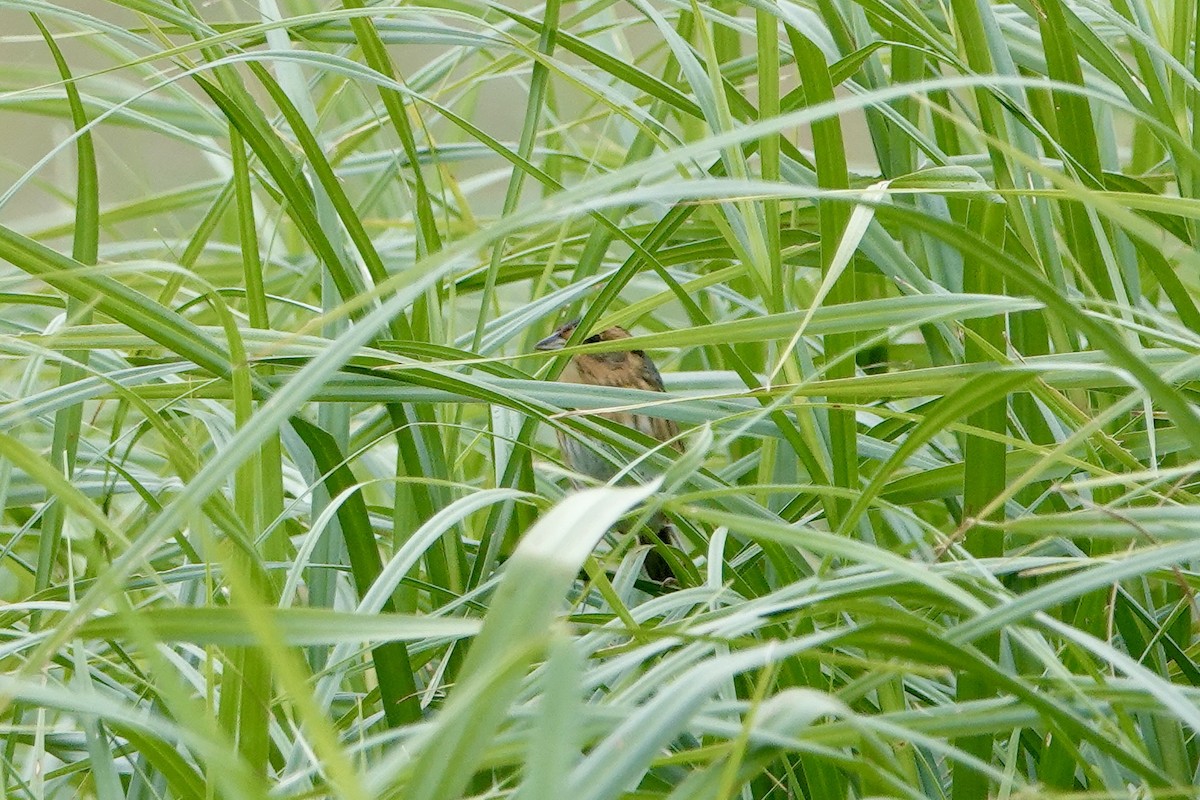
283, 515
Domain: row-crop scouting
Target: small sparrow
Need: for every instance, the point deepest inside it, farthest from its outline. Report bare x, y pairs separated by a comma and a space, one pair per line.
631, 369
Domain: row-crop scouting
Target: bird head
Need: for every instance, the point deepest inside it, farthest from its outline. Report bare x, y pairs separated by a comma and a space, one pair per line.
558, 340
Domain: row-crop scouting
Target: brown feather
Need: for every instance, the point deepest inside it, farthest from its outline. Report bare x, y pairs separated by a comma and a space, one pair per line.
631, 369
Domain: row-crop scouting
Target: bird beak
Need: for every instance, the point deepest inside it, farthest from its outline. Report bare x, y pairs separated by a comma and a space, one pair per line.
554, 341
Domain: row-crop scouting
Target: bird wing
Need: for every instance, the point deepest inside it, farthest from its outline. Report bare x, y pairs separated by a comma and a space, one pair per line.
662, 429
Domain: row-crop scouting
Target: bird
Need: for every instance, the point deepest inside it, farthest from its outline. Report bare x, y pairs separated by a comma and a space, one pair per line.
630, 369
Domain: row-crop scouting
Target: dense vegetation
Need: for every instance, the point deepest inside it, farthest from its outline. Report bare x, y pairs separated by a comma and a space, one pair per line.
284, 514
